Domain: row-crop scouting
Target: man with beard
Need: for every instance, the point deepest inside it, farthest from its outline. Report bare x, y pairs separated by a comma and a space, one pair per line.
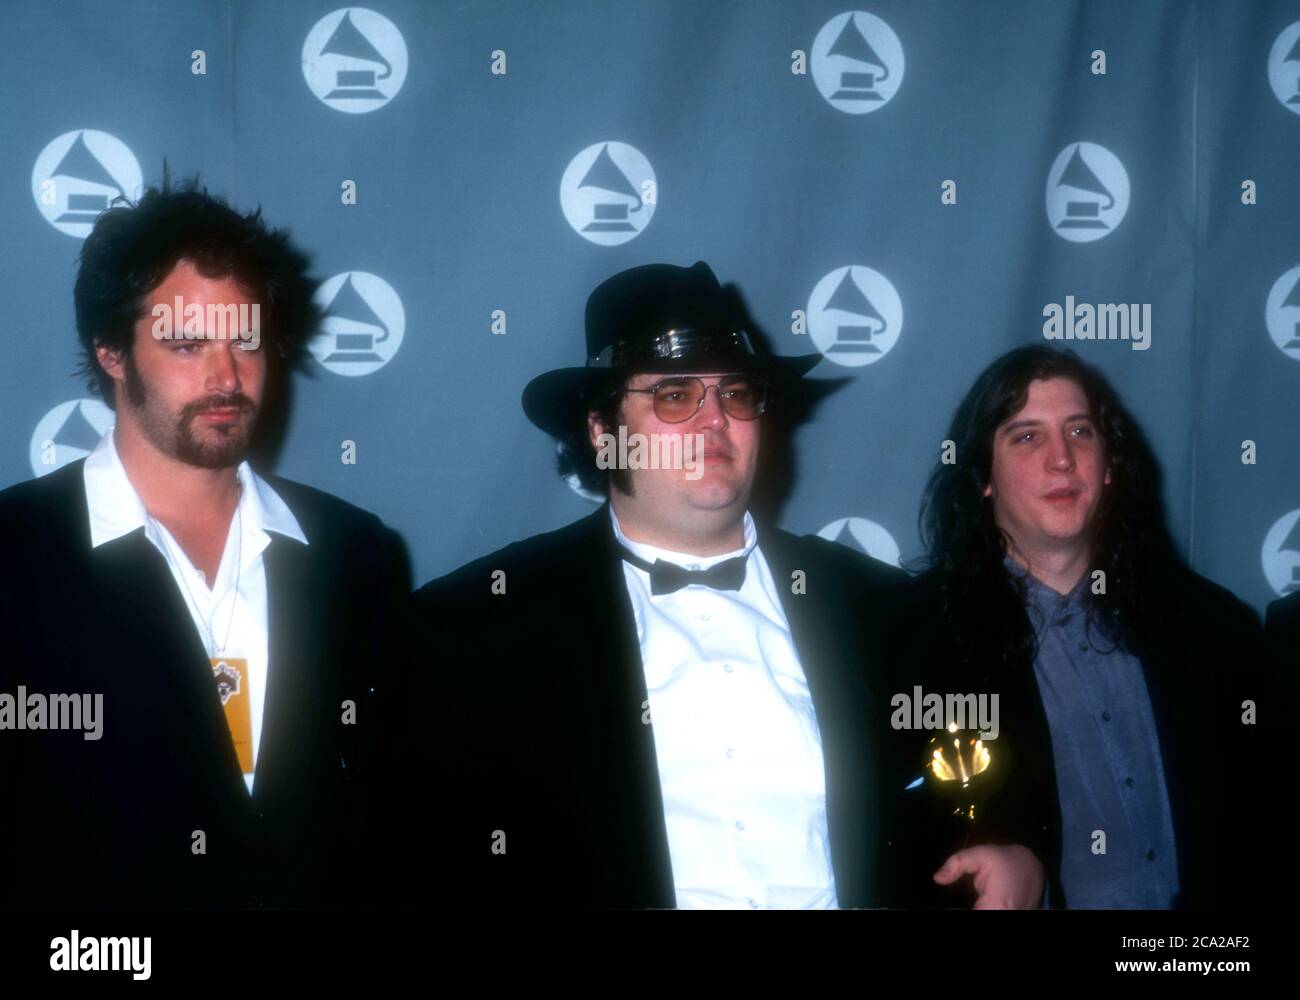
216, 615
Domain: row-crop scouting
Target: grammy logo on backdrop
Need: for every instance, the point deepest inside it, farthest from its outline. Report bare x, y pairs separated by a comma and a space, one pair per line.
610, 216
350, 43
81, 165
855, 85
855, 337
357, 340
1084, 214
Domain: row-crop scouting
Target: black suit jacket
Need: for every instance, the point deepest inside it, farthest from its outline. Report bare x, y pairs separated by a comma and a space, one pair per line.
1282, 638
1282, 628
1282, 619
542, 695
111, 822
1203, 658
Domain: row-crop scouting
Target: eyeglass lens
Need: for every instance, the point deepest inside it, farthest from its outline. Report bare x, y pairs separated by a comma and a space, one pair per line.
679, 399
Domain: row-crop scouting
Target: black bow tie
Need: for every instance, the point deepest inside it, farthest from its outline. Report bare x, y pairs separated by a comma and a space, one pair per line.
668, 578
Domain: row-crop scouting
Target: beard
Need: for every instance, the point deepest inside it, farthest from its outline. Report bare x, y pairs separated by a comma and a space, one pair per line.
220, 447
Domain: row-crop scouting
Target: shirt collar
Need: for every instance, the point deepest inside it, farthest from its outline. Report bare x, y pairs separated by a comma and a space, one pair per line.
651, 553
1041, 595
115, 507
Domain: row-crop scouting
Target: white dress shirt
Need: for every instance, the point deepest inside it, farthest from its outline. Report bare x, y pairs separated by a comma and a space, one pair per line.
736, 738
219, 610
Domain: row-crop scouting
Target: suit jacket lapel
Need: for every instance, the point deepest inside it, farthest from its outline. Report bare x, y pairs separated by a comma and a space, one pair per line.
630, 822
1180, 726
826, 627
298, 610
141, 609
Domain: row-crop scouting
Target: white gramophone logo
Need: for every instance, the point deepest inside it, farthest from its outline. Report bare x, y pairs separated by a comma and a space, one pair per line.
78, 175
609, 193
866, 536
854, 316
1281, 553
1284, 67
362, 326
354, 60
1282, 313
68, 432
1087, 192
857, 62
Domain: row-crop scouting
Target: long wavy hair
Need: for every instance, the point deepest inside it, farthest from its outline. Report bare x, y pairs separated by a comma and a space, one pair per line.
965, 548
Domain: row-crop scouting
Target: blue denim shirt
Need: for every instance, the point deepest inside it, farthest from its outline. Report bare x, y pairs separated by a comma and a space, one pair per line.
1109, 772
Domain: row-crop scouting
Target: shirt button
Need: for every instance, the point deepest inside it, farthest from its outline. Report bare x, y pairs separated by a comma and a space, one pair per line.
730, 752
1151, 855
727, 667
740, 825
704, 618
1129, 782
1105, 716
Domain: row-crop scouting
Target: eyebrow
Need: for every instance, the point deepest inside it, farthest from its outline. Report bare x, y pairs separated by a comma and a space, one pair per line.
1016, 425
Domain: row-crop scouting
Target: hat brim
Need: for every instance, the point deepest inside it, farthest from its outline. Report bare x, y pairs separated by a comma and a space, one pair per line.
553, 400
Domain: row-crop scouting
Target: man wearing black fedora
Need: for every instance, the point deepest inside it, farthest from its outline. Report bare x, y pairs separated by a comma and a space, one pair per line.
666, 703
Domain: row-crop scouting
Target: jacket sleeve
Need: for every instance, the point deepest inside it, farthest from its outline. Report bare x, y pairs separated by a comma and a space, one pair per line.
439, 814
383, 769
1014, 800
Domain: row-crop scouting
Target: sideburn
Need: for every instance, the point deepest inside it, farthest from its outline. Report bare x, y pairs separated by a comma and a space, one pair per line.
621, 480
136, 393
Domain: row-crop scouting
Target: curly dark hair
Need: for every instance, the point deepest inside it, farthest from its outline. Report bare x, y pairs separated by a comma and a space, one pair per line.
134, 246
965, 547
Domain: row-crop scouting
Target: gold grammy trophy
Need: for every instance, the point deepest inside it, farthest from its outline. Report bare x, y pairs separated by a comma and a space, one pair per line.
959, 774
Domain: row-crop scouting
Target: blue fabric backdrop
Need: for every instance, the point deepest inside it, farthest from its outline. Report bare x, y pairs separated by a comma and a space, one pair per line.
509, 156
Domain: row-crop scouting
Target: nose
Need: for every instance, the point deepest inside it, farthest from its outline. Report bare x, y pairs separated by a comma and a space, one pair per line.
1060, 456
223, 371
711, 414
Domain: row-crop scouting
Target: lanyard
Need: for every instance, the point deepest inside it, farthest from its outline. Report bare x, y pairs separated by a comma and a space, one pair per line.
212, 647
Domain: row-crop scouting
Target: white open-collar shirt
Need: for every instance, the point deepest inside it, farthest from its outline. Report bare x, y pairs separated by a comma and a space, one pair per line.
218, 609
736, 737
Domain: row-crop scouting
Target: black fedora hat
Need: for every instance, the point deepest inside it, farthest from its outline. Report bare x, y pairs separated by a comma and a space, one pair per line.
656, 318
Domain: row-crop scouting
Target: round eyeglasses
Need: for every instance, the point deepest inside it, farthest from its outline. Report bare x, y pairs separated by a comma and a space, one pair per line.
680, 397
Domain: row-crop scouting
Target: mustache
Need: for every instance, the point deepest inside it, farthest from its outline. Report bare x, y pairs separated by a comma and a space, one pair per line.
238, 401
714, 442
